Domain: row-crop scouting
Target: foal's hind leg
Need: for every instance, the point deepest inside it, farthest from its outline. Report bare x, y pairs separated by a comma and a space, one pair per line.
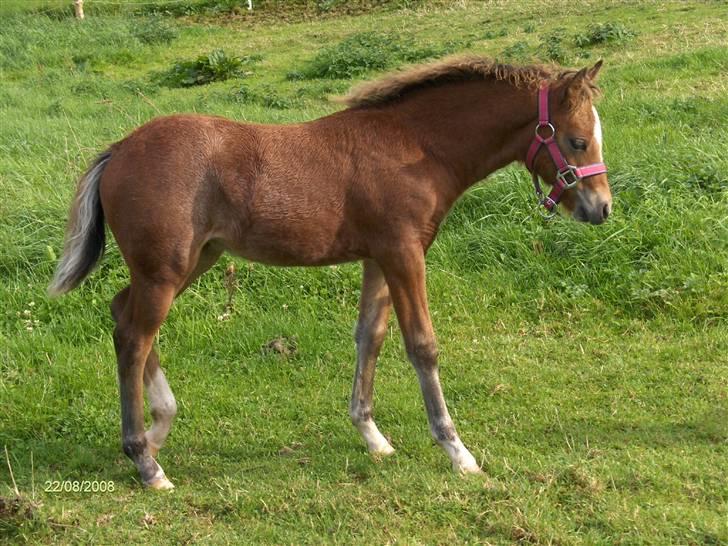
163, 406
374, 307
405, 274
161, 399
146, 308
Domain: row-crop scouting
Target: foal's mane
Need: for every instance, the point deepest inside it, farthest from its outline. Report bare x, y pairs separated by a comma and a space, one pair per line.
453, 69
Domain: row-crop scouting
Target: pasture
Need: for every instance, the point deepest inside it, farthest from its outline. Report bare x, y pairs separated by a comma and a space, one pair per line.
585, 366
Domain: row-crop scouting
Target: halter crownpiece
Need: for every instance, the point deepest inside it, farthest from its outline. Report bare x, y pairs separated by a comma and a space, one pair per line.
567, 176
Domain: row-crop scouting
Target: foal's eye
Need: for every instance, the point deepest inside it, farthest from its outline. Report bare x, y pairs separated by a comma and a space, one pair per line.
578, 143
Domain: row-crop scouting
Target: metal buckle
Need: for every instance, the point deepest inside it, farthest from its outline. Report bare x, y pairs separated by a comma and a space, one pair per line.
563, 175
547, 124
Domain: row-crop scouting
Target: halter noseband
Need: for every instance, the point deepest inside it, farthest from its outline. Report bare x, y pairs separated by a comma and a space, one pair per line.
567, 176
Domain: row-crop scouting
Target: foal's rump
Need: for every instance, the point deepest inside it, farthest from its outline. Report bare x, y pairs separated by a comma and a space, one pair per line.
159, 192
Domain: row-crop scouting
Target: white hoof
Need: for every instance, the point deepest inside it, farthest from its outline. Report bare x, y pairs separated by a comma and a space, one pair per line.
377, 444
463, 461
384, 450
161, 484
470, 467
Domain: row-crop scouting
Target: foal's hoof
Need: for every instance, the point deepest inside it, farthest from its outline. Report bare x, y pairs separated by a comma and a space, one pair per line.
464, 470
382, 451
161, 484
467, 465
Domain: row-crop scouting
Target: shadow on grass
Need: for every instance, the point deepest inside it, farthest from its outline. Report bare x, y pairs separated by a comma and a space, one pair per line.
709, 428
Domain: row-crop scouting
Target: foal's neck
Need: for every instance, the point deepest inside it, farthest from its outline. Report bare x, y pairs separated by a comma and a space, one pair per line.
474, 128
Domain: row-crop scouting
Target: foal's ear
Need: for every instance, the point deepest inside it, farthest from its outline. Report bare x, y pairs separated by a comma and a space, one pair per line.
578, 79
593, 72
574, 89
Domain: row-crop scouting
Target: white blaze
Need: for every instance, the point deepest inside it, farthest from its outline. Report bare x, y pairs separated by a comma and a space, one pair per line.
598, 132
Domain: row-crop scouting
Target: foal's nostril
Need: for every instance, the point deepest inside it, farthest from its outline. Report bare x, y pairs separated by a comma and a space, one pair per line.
606, 209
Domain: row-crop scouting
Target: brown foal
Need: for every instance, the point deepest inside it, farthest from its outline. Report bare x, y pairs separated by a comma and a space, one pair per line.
372, 182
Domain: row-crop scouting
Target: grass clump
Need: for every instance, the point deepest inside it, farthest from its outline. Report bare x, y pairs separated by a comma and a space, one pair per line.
366, 51
213, 67
518, 51
268, 98
155, 30
492, 34
552, 48
602, 33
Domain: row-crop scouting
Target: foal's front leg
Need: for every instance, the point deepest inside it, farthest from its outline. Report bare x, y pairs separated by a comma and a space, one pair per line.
374, 307
405, 274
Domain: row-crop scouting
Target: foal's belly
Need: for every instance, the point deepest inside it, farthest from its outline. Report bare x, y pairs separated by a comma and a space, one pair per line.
295, 242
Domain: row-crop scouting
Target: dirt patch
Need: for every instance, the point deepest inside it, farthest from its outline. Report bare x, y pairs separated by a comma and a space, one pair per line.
16, 508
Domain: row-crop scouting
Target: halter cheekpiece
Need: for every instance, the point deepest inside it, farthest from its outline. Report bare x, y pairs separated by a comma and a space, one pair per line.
567, 176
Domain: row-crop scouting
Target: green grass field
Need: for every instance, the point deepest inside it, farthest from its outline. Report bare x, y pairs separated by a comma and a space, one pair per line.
585, 366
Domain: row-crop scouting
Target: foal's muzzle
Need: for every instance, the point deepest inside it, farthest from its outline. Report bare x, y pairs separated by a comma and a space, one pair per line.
594, 214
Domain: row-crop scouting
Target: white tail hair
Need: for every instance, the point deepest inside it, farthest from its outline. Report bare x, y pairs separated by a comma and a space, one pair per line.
85, 237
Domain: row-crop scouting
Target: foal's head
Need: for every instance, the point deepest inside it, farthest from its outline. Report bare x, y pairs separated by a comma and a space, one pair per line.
579, 136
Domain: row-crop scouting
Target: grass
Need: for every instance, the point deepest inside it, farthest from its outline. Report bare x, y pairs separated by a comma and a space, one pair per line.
585, 367
364, 52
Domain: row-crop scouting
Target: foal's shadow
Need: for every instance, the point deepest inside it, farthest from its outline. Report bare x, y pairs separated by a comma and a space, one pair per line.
709, 428
62, 460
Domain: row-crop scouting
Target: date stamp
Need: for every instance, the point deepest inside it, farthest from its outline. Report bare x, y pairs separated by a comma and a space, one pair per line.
79, 486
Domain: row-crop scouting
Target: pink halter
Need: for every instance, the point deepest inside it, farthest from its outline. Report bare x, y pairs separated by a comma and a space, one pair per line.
567, 176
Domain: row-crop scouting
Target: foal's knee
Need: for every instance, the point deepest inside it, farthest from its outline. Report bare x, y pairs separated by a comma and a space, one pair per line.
370, 332
129, 349
423, 353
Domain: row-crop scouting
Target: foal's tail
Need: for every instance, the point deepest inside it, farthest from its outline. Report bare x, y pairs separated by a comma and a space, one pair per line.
85, 237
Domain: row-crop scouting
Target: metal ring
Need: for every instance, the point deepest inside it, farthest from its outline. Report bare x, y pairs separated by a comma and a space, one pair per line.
547, 124
541, 207
545, 213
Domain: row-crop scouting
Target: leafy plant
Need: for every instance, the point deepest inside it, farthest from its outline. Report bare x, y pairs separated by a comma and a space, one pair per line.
551, 46
491, 34
602, 33
269, 98
516, 52
272, 99
355, 55
295, 75
244, 95
216, 66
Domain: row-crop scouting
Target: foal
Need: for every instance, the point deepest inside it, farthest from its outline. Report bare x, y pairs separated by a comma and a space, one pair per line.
372, 182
